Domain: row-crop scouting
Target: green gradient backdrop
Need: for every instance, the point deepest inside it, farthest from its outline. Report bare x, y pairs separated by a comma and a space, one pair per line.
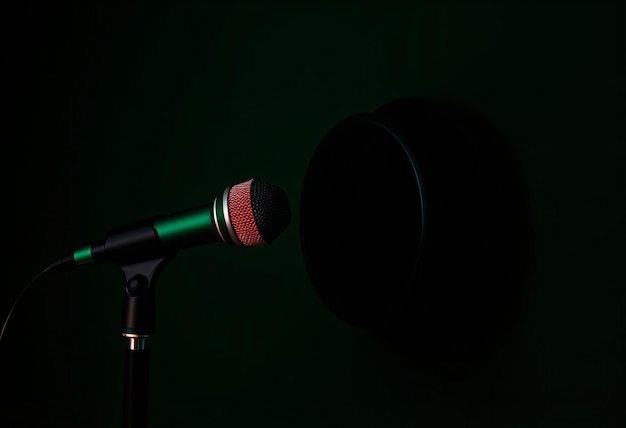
112, 114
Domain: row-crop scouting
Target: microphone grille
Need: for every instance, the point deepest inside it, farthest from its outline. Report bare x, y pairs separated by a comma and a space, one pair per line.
258, 211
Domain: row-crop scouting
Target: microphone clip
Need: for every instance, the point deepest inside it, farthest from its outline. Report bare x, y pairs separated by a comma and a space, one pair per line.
139, 306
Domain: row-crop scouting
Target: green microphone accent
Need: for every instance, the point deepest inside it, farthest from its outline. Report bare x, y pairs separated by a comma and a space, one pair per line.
83, 255
186, 226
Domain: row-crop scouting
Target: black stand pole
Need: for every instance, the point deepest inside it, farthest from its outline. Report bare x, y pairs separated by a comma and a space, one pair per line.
138, 323
136, 388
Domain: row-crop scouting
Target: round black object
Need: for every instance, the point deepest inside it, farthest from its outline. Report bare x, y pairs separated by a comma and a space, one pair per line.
362, 218
412, 224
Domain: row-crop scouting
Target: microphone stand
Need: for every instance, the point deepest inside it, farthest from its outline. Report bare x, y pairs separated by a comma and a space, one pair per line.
138, 323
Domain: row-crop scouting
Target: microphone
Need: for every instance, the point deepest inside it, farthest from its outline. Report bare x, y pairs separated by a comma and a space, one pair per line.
246, 214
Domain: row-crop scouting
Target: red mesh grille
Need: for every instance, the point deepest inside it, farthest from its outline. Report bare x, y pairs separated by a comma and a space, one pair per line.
242, 216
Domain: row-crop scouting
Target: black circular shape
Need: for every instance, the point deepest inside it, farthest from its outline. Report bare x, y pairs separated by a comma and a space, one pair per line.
137, 286
361, 218
413, 225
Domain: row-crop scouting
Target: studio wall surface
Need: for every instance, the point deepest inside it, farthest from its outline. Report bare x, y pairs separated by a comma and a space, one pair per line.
115, 113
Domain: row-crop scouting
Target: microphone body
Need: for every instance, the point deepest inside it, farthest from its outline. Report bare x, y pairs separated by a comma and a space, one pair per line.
247, 214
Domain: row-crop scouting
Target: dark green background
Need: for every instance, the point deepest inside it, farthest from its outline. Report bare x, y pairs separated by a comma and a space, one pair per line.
111, 114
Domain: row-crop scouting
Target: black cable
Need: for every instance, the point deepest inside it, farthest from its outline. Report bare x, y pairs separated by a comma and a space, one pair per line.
61, 263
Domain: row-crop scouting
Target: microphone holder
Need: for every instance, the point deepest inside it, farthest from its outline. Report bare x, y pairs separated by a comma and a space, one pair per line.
138, 323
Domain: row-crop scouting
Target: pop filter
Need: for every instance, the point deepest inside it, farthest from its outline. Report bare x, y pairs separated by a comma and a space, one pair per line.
412, 224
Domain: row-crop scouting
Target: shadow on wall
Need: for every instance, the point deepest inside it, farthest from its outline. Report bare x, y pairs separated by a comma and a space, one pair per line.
414, 226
